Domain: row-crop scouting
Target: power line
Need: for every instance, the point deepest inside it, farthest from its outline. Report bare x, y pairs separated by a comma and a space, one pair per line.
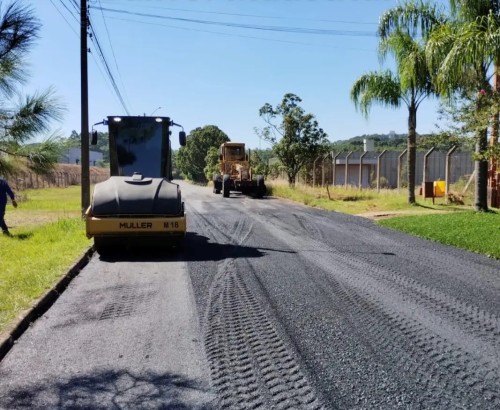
64, 17
224, 34
100, 52
99, 49
111, 46
251, 15
96, 42
69, 11
297, 30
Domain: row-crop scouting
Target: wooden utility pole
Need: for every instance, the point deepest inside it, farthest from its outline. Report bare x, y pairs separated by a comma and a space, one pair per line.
85, 156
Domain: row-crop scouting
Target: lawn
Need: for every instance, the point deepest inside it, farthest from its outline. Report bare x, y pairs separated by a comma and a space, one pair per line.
48, 236
476, 232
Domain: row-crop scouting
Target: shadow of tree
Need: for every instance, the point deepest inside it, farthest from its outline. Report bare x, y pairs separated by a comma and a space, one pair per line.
112, 389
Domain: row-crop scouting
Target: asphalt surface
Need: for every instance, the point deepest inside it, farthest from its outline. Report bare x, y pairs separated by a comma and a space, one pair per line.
270, 305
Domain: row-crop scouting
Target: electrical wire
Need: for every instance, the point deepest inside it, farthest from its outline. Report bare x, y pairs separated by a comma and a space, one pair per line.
112, 49
100, 52
229, 34
296, 30
101, 55
64, 17
249, 15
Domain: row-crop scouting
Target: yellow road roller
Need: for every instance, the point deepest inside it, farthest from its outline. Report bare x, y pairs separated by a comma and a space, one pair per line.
138, 205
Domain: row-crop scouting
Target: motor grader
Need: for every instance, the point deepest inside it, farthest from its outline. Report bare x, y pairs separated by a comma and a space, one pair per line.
139, 204
235, 173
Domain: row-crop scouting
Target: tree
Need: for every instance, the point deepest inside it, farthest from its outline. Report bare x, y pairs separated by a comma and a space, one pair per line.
296, 138
20, 123
259, 161
465, 50
191, 159
212, 163
403, 32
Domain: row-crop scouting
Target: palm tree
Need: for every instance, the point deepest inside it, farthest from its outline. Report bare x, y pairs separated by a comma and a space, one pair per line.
465, 51
403, 31
20, 123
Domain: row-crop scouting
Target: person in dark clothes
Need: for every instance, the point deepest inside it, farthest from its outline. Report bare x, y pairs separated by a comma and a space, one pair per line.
4, 191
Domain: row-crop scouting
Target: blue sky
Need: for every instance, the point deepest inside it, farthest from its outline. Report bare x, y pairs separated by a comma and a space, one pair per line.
215, 71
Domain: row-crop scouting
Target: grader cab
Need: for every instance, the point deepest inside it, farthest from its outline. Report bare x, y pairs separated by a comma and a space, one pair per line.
235, 172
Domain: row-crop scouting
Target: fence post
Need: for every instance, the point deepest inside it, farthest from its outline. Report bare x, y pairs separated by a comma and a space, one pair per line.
334, 167
314, 171
323, 172
400, 167
379, 158
324, 157
360, 181
447, 172
347, 168
426, 158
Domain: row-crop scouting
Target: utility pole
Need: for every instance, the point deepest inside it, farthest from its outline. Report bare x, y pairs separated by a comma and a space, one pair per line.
85, 156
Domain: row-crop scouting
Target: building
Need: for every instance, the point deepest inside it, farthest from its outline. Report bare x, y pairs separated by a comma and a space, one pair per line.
73, 155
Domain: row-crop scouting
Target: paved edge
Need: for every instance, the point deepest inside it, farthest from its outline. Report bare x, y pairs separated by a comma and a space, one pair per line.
43, 304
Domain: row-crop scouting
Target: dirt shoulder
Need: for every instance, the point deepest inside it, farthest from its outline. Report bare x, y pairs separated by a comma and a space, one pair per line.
376, 215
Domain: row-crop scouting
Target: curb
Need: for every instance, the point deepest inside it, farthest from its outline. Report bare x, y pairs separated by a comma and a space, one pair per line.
42, 304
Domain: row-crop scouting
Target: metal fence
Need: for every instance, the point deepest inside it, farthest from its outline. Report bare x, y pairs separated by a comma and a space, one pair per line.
387, 169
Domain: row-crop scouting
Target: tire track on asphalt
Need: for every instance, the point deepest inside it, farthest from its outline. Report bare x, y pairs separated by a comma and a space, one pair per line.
445, 364
251, 365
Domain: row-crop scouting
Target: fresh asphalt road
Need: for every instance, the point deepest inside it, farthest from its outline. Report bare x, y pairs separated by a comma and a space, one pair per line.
270, 305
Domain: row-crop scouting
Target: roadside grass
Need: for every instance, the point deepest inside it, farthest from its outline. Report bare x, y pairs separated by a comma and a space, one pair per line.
48, 236
473, 231
354, 201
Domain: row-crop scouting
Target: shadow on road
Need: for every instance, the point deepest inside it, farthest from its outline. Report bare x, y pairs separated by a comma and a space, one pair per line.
111, 389
195, 248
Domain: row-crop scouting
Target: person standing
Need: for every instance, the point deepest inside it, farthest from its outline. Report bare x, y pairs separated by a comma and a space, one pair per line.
4, 191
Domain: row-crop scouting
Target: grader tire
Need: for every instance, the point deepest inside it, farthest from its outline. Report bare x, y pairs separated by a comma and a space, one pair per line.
226, 186
261, 187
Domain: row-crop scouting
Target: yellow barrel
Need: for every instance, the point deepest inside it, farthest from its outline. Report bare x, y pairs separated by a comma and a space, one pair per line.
439, 188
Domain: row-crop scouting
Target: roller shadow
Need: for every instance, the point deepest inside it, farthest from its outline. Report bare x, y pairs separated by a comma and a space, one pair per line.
194, 248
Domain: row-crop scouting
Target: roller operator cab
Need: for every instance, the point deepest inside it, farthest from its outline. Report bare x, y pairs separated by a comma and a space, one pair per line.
138, 204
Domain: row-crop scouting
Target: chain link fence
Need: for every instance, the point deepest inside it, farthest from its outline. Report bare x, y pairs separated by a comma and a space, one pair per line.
387, 169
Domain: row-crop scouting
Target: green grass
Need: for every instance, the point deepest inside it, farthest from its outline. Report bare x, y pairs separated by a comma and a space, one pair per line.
47, 199
477, 232
48, 238
354, 201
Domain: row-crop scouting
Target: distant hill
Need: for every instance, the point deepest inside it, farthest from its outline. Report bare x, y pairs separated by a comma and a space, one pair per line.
398, 142
390, 141
375, 137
